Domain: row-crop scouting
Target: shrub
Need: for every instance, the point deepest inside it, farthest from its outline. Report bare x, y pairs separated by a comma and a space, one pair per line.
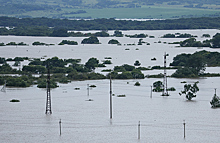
137, 84
123, 95
113, 41
14, 100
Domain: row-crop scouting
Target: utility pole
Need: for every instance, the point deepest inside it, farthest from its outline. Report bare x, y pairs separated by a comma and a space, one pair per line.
165, 92
110, 96
48, 101
151, 91
60, 126
88, 90
139, 130
184, 129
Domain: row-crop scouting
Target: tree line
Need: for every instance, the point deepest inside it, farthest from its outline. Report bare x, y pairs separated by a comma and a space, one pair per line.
58, 27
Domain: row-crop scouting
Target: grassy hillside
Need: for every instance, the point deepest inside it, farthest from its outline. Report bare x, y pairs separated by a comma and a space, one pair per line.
110, 8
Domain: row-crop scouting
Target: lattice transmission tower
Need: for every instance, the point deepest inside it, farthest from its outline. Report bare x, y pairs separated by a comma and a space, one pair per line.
48, 101
165, 91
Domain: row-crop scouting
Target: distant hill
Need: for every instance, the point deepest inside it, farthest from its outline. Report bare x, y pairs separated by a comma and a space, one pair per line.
93, 8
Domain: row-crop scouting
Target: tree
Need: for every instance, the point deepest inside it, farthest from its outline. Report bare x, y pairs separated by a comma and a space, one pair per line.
196, 63
68, 42
137, 63
193, 65
215, 102
128, 67
137, 74
92, 63
113, 41
118, 33
190, 90
54, 62
101, 34
158, 86
90, 40
216, 41
61, 32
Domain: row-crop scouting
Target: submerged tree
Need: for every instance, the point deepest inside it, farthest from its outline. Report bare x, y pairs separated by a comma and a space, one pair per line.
158, 86
215, 102
190, 90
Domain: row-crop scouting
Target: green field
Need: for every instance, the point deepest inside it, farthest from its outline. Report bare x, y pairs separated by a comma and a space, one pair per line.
148, 12
157, 12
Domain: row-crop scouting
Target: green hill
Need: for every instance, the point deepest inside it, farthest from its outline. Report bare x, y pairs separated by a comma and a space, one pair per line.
75, 9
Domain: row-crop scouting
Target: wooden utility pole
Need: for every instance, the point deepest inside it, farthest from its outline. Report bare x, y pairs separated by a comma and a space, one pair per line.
184, 129
151, 91
60, 126
139, 130
88, 90
110, 96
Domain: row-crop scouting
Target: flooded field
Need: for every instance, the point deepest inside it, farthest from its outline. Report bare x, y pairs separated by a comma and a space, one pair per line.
161, 118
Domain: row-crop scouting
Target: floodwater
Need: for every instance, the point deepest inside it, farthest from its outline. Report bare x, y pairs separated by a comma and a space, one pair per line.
161, 118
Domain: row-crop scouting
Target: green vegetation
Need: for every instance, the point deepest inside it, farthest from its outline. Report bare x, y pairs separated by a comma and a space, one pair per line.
215, 101
77, 9
92, 86
137, 63
137, 83
155, 76
68, 42
122, 95
107, 62
42, 26
108, 58
193, 65
90, 40
67, 70
137, 36
191, 42
92, 63
39, 43
13, 44
106, 70
190, 90
140, 42
14, 100
126, 72
118, 33
206, 35
157, 86
216, 41
177, 35
17, 81
43, 84
101, 34
113, 41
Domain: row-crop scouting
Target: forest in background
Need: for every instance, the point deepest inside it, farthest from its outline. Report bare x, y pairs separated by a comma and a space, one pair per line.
59, 27
90, 9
